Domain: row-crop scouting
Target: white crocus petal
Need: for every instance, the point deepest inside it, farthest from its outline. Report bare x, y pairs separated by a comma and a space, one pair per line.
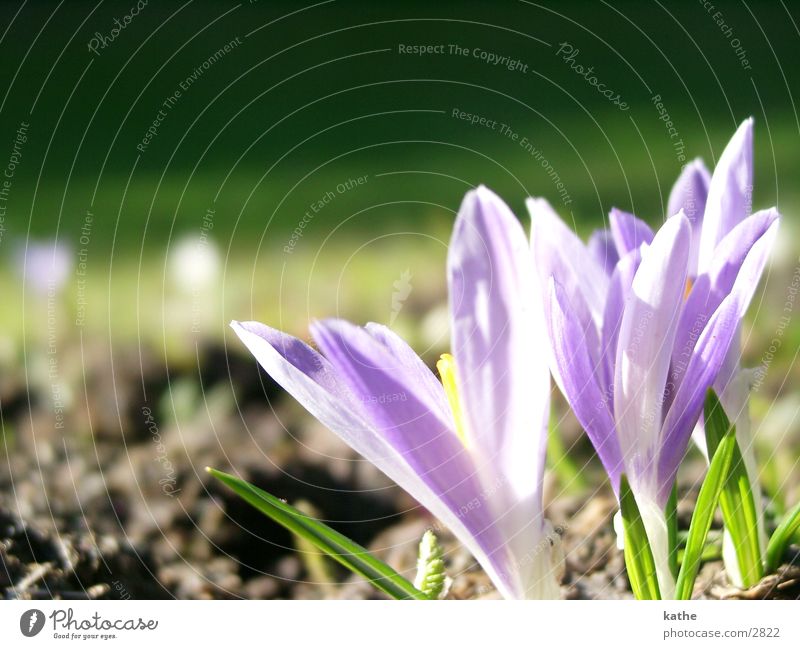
644, 350
503, 381
546, 569
619, 529
502, 378
655, 524
561, 254
731, 560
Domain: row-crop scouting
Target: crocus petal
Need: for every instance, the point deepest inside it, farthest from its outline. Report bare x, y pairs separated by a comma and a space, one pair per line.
313, 381
645, 343
309, 378
419, 372
451, 488
503, 382
690, 191
561, 254
729, 192
655, 524
575, 375
392, 400
558, 253
741, 256
628, 231
603, 250
739, 261
621, 281
689, 194
503, 379
687, 405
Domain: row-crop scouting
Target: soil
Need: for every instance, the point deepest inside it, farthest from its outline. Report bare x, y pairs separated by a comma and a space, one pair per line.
114, 503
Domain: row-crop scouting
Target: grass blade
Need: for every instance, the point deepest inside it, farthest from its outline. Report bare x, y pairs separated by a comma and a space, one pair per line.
337, 546
781, 538
638, 556
736, 500
672, 529
570, 475
706, 505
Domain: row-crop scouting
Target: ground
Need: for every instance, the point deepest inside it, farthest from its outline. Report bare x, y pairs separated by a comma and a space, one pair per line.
117, 505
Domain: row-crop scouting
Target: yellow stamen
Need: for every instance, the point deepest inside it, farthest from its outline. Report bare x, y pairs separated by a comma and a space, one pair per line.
447, 370
689, 284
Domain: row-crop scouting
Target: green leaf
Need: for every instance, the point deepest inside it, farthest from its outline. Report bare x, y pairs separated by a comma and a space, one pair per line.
736, 500
706, 505
317, 564
638, 555
672, 529
782, 537
711, 552
717, 424
570, 475
339, 547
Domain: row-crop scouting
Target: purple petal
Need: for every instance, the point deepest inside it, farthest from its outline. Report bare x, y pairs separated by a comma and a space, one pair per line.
417, 369
694, 318
690, 191
738, 262
44, 266
689, 194
682, 416
449, 490
502, 376
312, 380
747, 248
628, 231
646, 337
390, 395
742, 254
503, 380
306, 375
575, 374
560, 253
729, 192
603, 250
618, 292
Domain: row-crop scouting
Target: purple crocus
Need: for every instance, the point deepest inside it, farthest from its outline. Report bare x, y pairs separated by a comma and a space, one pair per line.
716, 205
470, 448
44, 265
634, 350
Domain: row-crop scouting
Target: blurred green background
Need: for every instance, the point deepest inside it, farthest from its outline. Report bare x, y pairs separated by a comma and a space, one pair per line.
311, 96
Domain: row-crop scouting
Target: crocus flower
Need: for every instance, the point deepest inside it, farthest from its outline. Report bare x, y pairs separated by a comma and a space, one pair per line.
471, 448
715, 205
635, 350
44, 265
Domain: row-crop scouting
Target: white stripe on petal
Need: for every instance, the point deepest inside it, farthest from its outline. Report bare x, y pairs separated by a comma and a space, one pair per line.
644, 349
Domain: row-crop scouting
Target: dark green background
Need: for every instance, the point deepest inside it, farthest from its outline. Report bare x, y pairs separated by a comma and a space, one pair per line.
299, 107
